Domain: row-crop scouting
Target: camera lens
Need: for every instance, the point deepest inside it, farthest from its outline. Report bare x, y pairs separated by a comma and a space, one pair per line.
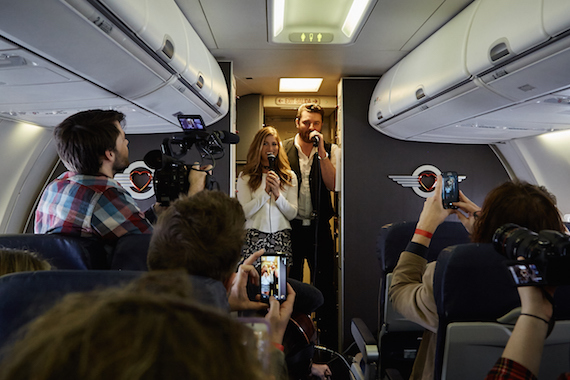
513, 241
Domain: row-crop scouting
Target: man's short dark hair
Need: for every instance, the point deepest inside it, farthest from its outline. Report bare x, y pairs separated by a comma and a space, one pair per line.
311, 108
83, 138
202, 234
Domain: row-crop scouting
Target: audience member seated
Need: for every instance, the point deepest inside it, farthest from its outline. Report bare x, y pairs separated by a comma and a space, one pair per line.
203, 235
139, 332
411, 291
18, 260
86, 201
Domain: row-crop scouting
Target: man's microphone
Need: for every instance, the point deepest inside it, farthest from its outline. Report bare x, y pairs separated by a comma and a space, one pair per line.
315, 140
271, 159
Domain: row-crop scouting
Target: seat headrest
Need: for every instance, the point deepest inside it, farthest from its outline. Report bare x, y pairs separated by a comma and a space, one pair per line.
394, 238
26, 295
63, 252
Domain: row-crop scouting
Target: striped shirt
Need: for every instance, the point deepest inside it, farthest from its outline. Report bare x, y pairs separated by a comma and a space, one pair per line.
89, 206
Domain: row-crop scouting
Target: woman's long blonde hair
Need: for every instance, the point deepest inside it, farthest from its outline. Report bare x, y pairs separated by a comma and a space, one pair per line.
253, 167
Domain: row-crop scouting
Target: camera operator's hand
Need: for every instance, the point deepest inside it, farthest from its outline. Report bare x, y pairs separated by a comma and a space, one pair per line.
273, 182
469, 214
197, 178
237, 297
279, 315
432, 215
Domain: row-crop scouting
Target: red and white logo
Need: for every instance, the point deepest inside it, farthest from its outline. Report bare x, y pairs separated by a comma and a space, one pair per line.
422, 180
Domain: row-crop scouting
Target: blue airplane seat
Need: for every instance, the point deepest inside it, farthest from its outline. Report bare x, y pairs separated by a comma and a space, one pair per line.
473, 289
26, 295
62, 251
398, 338
130, 252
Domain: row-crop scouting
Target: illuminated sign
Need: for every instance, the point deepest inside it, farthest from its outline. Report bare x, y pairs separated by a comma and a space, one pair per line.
311, 38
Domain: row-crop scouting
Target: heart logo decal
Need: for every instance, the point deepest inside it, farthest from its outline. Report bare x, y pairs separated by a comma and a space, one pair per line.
427, 181
140, 179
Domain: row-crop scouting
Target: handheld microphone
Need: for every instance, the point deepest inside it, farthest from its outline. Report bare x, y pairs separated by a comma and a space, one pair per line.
315, 140
271, 159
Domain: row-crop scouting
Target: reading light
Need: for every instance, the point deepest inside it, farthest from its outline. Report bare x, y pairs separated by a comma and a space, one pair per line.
300, 84
336, 22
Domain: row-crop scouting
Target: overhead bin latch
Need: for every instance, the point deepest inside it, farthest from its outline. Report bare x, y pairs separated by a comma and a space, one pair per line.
379, 115
499, 50
420, 93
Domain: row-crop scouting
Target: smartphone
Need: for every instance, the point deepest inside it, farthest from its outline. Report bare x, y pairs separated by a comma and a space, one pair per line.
526, 274
450, 189
191, 122
273, 276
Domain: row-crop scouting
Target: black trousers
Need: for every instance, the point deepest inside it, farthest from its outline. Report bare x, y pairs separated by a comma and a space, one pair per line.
323, 270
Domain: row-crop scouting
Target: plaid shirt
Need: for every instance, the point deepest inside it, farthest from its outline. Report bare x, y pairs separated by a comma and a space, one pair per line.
508, 369
86, 205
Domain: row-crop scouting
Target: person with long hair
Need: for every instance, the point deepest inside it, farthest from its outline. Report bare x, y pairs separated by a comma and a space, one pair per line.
411, 291
267, 190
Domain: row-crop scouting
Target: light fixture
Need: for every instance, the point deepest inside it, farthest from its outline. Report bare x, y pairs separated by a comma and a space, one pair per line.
323, 22
300, 84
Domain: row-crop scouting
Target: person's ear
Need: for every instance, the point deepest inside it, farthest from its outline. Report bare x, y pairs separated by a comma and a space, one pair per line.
109, 155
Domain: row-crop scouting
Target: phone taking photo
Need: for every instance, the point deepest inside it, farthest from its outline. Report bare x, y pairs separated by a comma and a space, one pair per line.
273, 276
450, 189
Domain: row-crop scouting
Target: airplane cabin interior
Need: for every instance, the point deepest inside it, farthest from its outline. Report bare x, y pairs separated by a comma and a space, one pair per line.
416, 88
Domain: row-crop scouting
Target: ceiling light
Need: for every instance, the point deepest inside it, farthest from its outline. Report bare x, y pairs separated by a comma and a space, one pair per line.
300, 84
354, 17
336, 22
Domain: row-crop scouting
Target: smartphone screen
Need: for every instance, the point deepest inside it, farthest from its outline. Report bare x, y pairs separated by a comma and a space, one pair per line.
191, 122
273, 277
526, 274
450, 189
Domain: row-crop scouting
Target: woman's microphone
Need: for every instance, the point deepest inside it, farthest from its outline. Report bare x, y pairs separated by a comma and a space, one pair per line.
271, 159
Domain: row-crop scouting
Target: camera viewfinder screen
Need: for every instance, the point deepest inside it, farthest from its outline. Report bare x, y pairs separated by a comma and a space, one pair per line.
526, 274
191, 122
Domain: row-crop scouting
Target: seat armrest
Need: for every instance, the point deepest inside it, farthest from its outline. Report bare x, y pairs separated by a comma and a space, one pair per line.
365, 341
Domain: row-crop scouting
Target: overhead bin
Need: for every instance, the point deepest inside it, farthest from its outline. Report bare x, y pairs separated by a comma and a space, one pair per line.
434, 66
502, 29
512, 51
130, 48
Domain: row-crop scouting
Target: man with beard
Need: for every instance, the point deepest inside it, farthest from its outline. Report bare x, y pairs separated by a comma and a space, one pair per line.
86, 201
314, 163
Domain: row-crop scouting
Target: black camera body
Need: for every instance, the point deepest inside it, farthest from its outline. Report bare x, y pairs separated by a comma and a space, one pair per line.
171, 174
546, 255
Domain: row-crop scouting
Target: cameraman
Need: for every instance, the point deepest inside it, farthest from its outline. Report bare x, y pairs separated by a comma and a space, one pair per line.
411, 291
86, 201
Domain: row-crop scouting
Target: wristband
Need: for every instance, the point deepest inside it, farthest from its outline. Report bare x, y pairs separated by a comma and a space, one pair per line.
536, 316
429, 235
417, 249
280, 347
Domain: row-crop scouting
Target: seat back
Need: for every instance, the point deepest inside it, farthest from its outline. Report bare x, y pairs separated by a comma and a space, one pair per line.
130, 252
398, 337
472, 285
25, 295
62, 251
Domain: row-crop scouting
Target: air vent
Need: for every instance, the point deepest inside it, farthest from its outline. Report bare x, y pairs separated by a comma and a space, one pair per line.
11, 61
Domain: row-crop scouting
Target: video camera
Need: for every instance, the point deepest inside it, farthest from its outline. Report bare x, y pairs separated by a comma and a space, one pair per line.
171, 174
546, 255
